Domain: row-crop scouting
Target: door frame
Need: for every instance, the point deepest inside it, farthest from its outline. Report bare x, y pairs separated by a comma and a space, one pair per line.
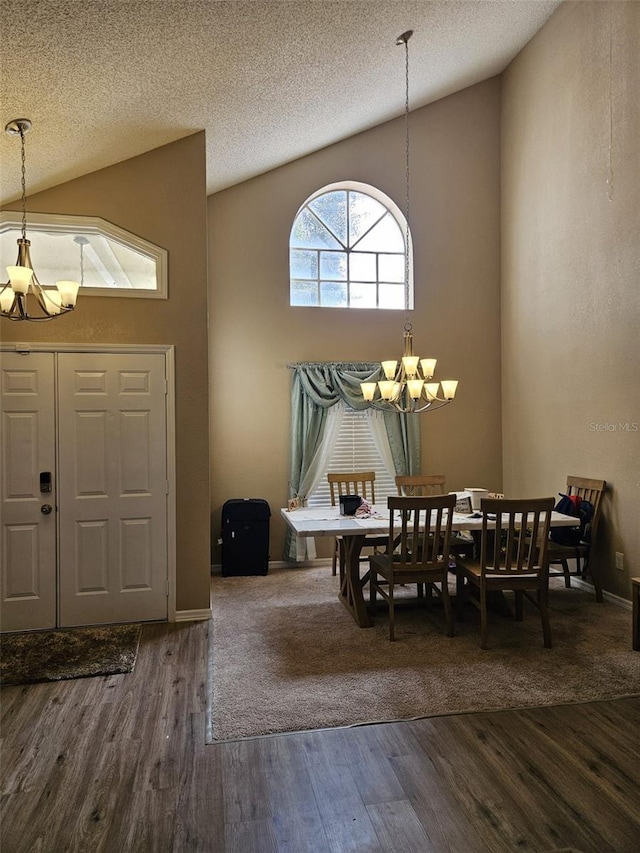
168, 350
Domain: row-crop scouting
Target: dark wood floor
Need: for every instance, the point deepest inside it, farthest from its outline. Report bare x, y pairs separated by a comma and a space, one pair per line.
120, 764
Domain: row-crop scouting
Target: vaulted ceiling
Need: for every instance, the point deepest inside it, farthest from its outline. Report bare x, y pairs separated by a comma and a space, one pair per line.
269, 81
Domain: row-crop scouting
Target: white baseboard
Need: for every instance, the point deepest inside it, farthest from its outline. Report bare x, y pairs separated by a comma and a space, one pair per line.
193, 615
216, 568
608, 596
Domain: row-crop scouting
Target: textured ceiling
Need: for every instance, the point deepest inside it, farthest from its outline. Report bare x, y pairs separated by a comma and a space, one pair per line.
105, 80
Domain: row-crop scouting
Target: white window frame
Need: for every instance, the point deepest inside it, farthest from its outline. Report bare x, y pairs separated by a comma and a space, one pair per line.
398, 215
68, 224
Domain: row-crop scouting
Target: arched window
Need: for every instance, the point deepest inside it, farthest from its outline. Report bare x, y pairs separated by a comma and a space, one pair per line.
348, 249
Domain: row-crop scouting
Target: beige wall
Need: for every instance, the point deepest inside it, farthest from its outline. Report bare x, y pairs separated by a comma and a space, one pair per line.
160, 196
255, 333
571, 267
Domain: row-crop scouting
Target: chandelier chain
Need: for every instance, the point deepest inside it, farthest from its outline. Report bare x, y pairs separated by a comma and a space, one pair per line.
24, 185
405, 41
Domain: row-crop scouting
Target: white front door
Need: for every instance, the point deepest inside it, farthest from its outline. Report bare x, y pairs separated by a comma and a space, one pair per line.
84, 489
112, 488
27, 470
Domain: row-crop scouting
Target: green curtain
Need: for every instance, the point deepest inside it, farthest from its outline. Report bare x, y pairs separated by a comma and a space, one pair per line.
315, 387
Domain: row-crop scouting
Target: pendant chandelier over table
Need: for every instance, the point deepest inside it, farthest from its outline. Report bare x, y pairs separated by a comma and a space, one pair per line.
407, 385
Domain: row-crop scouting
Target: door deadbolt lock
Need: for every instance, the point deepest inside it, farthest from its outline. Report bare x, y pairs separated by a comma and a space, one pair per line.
46, 509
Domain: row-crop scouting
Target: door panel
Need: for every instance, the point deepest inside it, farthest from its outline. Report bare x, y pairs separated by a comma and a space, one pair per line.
113, 488
91, 546
91, 454
28, 537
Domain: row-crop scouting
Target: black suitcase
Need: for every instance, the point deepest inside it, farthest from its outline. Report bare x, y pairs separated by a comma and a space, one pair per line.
245, 536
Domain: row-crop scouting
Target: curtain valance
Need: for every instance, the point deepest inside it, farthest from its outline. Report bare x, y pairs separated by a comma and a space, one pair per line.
326, 383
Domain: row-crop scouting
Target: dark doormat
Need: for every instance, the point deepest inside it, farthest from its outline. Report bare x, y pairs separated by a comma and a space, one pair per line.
34, 656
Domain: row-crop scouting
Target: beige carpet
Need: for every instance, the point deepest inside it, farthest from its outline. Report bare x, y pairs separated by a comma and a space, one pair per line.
286, 656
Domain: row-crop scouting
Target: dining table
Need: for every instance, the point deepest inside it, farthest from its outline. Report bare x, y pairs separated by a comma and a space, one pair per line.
327, 521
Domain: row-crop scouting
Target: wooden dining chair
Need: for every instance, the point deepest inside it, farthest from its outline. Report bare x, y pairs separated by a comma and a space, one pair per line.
423, 485
509, 560
354, 483
420, 485
587, 490
421, 526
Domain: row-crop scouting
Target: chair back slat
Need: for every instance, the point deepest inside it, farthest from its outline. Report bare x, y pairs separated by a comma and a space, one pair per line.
423, 525
437, 527
352, 483
518, 543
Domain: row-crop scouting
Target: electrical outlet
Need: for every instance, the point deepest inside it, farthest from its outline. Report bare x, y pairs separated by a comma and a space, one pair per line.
619, 561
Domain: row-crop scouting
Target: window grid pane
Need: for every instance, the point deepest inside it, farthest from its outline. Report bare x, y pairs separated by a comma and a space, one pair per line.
391, 295
333, 294
363, 294
392, 268
333, 265
304, 293
303, 263
364, 213
363, 266
331, 209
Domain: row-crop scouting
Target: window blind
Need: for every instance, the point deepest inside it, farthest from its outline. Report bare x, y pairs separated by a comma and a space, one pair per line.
354, 450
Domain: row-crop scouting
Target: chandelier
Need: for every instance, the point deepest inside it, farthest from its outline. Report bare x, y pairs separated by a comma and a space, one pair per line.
407, 386
22, 297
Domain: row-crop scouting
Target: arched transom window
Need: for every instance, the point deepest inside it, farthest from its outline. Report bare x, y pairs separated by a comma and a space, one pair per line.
347, 249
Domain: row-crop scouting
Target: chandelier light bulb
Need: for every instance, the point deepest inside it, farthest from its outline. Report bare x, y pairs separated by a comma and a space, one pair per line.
368, 390
415, 388
386, 388
7, 298
68, 291
428, 366
410, 364
449, 387
431, 390
20, 278
53, 300
389, 368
